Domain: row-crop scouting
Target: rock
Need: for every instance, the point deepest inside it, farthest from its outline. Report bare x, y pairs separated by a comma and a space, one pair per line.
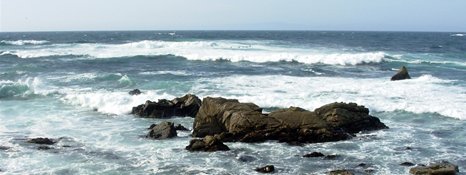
246, 158
187, 105
401, 74
443, 168
208, 144
44, 141
407, 164
332, 157
4, 148
341, 172
134, 92
162, 131
266, 169
245, 122
314, 154
180, 127
44, 147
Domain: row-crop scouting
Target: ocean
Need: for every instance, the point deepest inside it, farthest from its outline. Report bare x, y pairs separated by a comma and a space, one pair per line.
74, 86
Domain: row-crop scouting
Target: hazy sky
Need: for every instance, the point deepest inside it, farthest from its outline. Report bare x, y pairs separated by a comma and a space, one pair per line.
378, 15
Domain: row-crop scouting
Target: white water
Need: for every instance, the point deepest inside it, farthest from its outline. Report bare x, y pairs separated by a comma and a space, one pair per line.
235, 51
425, 94
24, 42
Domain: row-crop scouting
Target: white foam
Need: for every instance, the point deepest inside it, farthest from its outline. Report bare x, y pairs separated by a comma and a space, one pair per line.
458, 34
111, 102
253, 51
24, 42
24, 87
425, 94
178, 73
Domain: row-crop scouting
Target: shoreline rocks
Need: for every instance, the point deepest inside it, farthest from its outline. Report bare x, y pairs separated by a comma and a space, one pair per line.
207, 144
245, 122
187, 105
443, 168
162, 130
401, 74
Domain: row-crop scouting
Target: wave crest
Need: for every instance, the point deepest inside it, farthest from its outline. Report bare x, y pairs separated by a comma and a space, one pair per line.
23, 42
252, 51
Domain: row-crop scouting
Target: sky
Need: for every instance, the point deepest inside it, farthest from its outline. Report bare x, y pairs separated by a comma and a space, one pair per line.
352, 15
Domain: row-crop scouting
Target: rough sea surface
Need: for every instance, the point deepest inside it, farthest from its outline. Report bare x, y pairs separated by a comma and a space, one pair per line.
74, 86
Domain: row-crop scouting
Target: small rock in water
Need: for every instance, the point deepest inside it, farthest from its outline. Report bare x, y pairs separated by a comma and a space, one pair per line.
181, 128
162, 131
401, 74
314, 154
208, 144
331, 157
407, 164
40, 140
341, 172
443, 168
266, 169
4, 148
44, 147
134, 92
246, 158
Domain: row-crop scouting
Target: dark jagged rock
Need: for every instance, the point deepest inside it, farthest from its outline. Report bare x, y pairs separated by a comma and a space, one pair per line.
443, 168
314, 154
341, 172
266, 169
208, 144
245, 122
401, 74
407, 164
162, 131
135, 92
187, 105
180, 127
41, 140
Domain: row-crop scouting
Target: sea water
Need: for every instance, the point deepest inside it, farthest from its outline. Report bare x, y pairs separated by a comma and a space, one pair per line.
74, 86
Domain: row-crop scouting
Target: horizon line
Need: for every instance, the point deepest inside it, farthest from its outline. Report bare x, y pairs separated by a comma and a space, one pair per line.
231, 30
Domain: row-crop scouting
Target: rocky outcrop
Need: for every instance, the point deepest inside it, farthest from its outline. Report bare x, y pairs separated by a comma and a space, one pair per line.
266, 169
245, 122
134, 92
162, 131
187, 105
443, 168
42, 141
341, 172
208, 144
401, 74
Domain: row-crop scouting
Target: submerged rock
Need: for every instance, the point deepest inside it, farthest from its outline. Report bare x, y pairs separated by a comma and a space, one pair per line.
135, 92
407, 164
42, 140
266, 169
162, 131
4, 148
443, 168
341, 172
314, 154
208, 144
187, 105
180, 127
401, 74
245, 122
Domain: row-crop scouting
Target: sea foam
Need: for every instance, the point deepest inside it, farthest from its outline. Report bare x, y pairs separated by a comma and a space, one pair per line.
253, 51
23, 42
425, 94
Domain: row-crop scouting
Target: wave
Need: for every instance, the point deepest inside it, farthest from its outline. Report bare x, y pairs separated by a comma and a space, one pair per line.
177, 73
23, 42
425, 94
23, 88
118, 103
235, 51
458, 34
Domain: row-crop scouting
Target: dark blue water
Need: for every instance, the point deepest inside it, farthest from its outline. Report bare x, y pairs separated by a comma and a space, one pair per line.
75, 84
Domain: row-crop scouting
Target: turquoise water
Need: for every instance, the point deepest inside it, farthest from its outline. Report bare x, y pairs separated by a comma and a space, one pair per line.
74, 86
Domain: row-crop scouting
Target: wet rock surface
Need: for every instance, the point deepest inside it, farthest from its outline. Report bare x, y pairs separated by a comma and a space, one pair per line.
245, 122
42, 140
187, 105
401, 74
207, 144
266, 169
134, 92
162, 130
341, 172
443, 168
314, 154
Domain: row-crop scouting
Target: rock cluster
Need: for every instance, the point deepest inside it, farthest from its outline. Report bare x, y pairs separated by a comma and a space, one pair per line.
245, 122
187, 105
